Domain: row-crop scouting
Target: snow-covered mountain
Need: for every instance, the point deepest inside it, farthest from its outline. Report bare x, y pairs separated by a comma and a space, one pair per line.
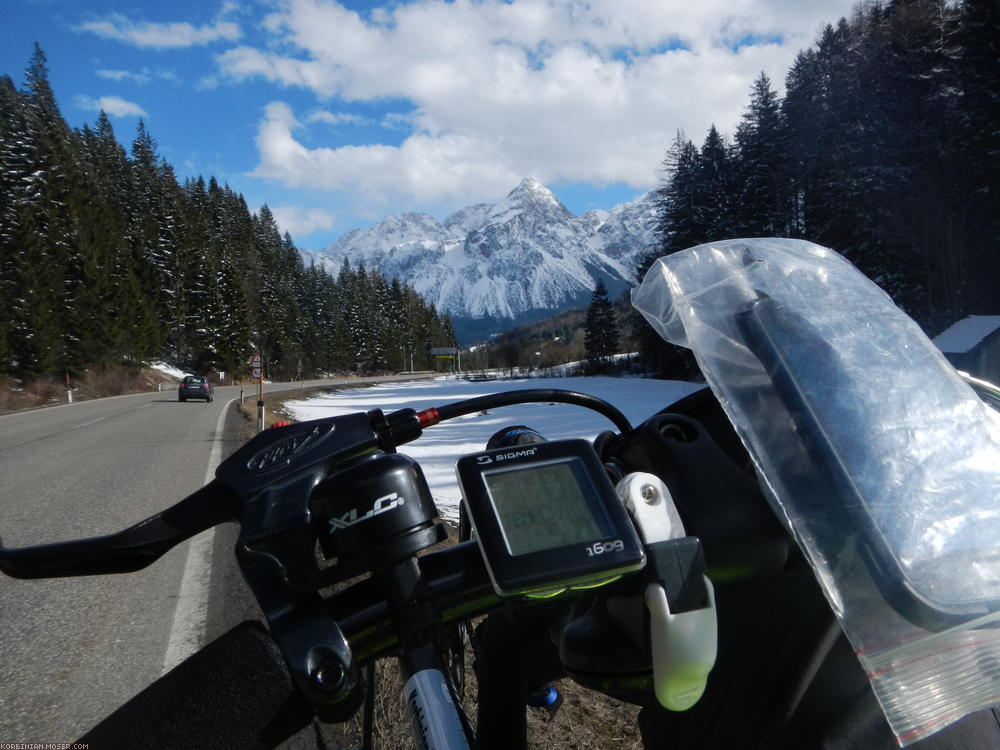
526, 253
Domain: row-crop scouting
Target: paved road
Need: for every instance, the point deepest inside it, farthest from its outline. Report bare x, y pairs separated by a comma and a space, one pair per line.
75, 648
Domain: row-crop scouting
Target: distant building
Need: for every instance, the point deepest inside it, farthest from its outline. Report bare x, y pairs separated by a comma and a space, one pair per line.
973, 345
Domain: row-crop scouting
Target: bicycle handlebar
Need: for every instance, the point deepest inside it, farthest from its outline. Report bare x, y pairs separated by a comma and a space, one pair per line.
285, 487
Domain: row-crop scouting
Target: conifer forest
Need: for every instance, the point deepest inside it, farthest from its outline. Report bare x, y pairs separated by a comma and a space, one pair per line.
885, 147
107, 258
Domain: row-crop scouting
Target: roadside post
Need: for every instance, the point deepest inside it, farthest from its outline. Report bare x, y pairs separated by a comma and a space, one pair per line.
448, 354
257, 374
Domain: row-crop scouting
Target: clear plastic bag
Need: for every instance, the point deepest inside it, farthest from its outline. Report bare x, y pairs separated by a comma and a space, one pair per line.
879, 457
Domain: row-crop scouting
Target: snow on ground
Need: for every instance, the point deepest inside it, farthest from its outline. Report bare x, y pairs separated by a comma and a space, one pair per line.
440, 446
169, 370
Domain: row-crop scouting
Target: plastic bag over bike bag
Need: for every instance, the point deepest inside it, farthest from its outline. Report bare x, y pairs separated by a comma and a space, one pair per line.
875, 452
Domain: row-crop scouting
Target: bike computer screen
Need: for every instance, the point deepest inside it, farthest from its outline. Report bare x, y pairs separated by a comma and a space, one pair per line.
547, 518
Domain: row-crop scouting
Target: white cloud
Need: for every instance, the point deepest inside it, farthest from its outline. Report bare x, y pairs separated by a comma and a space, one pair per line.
562, 89
124, 75
448, 167
302, 222
113, 105
161, 35
141, 78
337, 118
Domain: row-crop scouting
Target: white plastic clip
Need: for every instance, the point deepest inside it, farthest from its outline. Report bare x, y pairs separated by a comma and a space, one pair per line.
684, 648
652, 507
684, 645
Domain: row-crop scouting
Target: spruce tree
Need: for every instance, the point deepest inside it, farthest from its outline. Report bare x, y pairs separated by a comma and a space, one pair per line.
714, 189
676, 203
41, 231
760, 201
600, 331
13, 167
977, 49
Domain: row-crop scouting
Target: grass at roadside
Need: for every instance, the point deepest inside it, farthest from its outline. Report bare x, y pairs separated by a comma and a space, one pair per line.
274, 403
116, 380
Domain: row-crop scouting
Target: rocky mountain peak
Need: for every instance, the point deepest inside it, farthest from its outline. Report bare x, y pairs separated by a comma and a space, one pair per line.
532, 196
528, 252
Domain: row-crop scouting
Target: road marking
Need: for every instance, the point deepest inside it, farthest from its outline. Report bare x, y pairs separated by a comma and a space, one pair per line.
188, 628
140, 408
92, 421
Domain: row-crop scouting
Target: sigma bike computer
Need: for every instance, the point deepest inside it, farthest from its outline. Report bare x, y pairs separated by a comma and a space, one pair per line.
547, 518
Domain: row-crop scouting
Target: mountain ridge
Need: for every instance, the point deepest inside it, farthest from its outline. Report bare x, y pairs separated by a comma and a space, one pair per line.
522, 256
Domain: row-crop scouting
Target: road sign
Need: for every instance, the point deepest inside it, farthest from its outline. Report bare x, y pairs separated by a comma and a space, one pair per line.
255, 360
255, 373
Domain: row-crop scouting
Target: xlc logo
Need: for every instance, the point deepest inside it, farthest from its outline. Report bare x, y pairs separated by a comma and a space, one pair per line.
504, 456
382, 505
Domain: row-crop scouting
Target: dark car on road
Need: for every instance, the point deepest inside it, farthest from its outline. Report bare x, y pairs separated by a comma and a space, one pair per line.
194, 386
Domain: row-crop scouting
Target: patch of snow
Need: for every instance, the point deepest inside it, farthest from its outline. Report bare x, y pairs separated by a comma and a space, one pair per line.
966, 334
169, 370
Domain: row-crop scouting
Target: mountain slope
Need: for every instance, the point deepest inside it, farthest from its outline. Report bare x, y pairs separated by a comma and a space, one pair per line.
527, 253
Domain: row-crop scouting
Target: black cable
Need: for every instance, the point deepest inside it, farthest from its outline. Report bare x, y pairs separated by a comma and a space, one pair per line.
368, 717
535, 395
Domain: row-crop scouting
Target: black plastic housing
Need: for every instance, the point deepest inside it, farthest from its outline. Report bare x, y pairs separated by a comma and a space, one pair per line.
720, 500
375, 512
515, 568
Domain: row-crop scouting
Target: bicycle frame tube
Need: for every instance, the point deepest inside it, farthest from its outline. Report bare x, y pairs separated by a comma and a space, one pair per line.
431, 704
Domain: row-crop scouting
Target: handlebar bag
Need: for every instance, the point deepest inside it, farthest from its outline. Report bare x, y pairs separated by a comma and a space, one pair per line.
874, 451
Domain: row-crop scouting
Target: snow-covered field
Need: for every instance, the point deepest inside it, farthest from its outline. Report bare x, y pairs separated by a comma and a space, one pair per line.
440, 446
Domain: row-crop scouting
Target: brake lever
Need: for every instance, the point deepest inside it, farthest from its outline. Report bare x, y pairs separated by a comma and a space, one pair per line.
274, 456
129, 550
270, 458
265, 485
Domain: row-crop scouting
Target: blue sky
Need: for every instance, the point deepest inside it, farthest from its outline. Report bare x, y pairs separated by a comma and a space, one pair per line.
337, 113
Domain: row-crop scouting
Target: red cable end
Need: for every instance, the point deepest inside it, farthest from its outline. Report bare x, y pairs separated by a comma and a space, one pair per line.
428, 417
280, 424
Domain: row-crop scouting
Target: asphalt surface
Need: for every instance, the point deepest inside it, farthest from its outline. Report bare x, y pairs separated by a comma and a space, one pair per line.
76, 648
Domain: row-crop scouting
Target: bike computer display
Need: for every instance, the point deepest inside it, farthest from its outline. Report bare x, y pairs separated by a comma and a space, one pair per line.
547, 518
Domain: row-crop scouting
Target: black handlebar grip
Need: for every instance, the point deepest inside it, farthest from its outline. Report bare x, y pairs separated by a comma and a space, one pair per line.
234, 693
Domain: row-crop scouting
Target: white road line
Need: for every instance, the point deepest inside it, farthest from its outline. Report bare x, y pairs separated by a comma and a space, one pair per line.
188, 628
92, 421
140, 408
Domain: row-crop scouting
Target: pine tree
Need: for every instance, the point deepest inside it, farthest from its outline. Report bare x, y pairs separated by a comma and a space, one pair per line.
977, 49
151, 265
800, 113
600, 331
760, 204
14, 165
677, 224
692, 208
99, 226
714, 189
39, 229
